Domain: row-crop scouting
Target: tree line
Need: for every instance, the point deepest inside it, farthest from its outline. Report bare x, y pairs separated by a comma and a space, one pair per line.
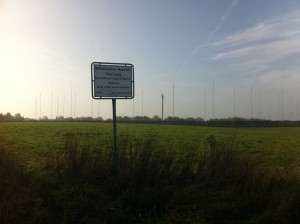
217, 122
9, 117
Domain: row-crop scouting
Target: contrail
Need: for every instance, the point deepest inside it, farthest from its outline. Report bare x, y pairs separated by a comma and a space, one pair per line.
216, 29
223, 18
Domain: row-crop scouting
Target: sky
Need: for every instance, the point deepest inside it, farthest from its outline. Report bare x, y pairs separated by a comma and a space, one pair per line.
222, 58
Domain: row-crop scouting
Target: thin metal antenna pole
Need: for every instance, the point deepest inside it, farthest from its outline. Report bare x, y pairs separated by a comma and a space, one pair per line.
234, 103
142, 101
71, 102
213, 100
259, 111
74, 105
57, 107
251, 104
162, 107
40, 105
173, 100
35, 107
282, 103
51, 103
204, 103
64, 106
251, 116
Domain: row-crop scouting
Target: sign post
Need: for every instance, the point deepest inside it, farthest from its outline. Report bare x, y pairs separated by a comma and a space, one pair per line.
115, 133
112, 81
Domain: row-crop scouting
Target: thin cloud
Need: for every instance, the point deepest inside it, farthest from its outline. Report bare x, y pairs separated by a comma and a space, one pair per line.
261, 46
282, 27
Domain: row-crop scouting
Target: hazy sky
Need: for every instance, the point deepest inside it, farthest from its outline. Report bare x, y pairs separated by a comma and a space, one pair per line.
216, 52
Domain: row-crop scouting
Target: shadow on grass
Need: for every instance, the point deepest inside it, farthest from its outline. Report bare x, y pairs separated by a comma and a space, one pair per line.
151, 184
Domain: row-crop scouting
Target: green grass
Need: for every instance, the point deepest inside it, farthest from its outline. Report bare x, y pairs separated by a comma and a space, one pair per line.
274, 146
79, 182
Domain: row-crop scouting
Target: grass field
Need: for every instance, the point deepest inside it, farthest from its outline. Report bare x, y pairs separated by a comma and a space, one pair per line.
64, 173
276, 145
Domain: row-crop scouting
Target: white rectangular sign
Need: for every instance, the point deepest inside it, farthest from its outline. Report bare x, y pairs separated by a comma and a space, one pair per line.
112, 80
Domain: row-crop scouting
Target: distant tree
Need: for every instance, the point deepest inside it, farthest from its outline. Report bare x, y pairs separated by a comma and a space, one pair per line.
168, 118
44, 118
69, 119
145, 118
141, 118
98, 119
126, 118
8, 117
87, 119
190, 119
18, 117
199, 119
156, 118
60, 118
178, 119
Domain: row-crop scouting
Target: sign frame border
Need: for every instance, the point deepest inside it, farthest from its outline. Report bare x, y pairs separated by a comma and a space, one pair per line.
111, 64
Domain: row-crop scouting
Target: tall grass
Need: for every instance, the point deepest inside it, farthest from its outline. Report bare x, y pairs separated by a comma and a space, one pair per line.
151, 184
14, 183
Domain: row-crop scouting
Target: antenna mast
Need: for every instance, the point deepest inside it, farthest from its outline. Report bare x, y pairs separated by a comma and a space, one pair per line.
51, 103
204, 104
173, 99
40, 105
162, 106
213, 100
64, 106
251, 103
35, 107
71, 102
234, 103
74, 104
142, 101
57, 114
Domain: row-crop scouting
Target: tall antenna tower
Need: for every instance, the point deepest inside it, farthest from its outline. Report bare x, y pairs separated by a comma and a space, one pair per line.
64, 106
259, 105
142, 101
213, 100
35, 107
74, 105
40, 105
251, 103
234, 115
57, 112
282, 110
204, 96
173, 100
51, 103
71, 103
162, 106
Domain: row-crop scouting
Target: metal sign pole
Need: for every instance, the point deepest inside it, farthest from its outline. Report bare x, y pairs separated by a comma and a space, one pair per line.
115, 134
